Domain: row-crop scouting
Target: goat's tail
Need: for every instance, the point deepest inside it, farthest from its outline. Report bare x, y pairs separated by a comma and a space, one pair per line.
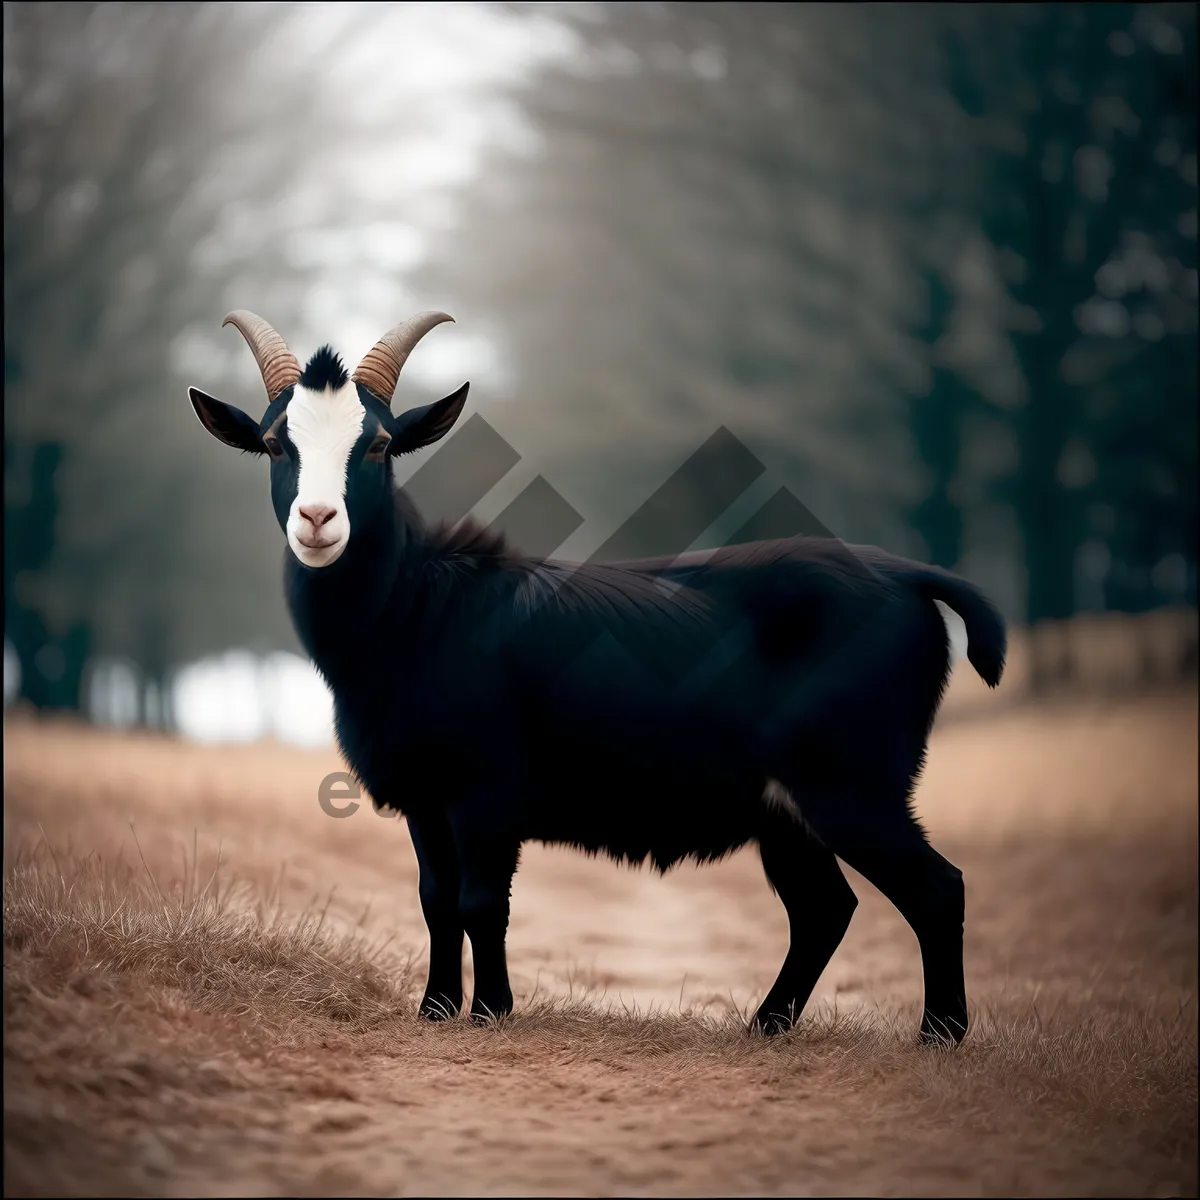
986, 637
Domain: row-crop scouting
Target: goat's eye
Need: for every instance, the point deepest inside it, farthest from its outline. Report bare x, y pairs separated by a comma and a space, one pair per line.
274, 449
379, 446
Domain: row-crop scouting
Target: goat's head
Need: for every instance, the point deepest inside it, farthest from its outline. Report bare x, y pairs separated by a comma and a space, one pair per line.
330, 436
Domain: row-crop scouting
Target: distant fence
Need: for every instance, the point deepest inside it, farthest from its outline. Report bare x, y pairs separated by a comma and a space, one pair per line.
1096, 654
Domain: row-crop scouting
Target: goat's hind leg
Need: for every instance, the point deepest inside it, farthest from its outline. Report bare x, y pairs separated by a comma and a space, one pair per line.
928, 892
819, 902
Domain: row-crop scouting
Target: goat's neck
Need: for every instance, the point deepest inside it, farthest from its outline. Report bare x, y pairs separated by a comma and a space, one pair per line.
340, 611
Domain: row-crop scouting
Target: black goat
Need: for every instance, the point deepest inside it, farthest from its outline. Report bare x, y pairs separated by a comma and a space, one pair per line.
495, 698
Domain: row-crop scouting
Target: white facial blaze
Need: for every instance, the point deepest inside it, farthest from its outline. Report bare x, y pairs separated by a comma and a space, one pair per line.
324, 427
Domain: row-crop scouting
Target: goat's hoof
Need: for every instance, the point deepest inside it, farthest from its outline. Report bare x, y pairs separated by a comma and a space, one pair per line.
438, 1008
942, 1031
771, 1024
483, 1013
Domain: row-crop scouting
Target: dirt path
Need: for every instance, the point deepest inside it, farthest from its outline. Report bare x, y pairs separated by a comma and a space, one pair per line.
1075, 829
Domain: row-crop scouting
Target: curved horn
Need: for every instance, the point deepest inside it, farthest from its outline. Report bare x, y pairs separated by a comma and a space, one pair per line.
277, 363
380, 367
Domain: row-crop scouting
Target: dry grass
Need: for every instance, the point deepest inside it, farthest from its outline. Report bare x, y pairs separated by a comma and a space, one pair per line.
183, 1020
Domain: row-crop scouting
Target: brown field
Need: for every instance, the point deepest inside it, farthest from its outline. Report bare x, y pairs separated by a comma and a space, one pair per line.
220, 1001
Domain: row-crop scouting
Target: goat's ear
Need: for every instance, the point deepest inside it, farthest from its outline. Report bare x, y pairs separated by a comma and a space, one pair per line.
226, 423
423, 426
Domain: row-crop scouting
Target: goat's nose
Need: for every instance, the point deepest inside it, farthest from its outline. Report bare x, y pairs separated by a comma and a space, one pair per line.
318, 514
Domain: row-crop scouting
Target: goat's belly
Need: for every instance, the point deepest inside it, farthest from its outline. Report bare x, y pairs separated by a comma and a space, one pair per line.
632, 820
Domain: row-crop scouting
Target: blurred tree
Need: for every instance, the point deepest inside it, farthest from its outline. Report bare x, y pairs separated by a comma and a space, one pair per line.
750, 215
152, 181
702, 227
936, 419
1084, 124
51, 666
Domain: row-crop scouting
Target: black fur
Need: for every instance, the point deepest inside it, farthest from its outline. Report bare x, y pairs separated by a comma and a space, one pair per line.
641, 710
496, 699
324, 370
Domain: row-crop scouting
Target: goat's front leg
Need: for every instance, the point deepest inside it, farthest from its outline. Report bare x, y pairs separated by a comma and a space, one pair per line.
437, 858
487, 860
